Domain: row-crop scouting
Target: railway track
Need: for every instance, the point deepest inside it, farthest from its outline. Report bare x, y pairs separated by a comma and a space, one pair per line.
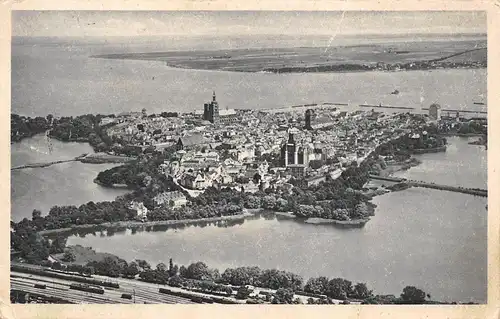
60, 288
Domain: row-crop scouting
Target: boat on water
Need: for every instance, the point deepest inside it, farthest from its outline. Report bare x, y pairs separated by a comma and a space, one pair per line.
395, 92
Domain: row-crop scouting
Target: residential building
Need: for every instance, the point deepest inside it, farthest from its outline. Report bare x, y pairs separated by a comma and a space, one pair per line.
142, 211
194, 181
190, 141
172, 199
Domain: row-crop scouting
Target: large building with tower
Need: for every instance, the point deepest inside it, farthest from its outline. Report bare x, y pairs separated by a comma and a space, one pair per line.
211, 111
295, 156
314, 122
213, 114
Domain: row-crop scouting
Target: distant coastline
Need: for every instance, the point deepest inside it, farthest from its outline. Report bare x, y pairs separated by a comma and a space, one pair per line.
451, 54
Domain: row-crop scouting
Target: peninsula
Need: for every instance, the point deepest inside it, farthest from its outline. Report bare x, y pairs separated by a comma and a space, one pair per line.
312, 166
396, 56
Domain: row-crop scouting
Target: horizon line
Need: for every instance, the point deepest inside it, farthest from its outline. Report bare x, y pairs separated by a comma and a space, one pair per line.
258, 34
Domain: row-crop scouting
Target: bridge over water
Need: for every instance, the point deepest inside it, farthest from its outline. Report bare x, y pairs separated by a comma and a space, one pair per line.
457, 189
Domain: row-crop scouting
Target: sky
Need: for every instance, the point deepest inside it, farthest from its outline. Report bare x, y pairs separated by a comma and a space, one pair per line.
200, 23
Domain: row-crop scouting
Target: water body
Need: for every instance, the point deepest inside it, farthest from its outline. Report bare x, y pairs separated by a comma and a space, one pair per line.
462, 165
433, 239
61, 184
59, 78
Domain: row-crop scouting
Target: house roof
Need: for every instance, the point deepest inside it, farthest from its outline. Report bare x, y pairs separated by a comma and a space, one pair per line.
169, 195
194, 139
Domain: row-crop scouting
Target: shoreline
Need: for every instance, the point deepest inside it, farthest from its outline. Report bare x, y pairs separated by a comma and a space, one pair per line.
399, 166
462, 134
133, 224
298, 71
419, 151
113, 186
104, 158
346, 223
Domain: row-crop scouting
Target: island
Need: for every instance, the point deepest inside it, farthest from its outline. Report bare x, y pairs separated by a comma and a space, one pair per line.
398, 56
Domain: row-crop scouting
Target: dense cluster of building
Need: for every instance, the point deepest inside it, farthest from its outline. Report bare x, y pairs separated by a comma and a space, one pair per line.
257, 149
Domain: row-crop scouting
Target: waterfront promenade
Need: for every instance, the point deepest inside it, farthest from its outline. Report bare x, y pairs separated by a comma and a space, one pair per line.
414, 183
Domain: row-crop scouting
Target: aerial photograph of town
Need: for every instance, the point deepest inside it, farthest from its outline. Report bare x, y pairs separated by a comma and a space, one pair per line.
252, 157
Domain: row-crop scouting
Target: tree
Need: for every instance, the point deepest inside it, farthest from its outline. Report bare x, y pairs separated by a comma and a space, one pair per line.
58, 245
413, 295
131, 270
339, 288
252, 202
198, 270
161, 267
175, 281
69, 256
281, 205
243, 293
175, 271
143, 265
183, 271
49, 118
361, 291
317, 285
256, 178
283, 296
108, 266
36, 214
268, 202
88, 270
172, 269
170, 265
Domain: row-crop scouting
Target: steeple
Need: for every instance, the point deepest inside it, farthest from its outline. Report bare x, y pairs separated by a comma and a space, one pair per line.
213, 96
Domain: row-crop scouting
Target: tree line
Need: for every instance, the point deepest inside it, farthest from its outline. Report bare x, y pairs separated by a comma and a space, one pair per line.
199, 277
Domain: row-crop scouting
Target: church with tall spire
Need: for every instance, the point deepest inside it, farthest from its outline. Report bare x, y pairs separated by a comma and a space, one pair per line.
211, 110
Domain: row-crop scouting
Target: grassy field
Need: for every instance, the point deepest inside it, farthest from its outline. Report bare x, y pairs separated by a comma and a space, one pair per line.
256, 60
85, 254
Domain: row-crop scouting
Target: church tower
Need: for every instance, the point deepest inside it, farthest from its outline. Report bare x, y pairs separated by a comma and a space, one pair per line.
308, 118
211, 110
215, 109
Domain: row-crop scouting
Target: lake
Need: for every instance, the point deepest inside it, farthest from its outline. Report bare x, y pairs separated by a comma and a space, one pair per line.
61, 184
432, 239
462, 165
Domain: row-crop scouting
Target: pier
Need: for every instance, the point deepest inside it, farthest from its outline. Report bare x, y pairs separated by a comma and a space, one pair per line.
459, 111
457, 189
374, 106
380, 106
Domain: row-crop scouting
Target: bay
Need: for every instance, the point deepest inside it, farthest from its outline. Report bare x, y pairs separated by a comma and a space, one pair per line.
60, 78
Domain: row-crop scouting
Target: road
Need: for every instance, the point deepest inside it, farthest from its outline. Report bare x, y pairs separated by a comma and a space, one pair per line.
144, 293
